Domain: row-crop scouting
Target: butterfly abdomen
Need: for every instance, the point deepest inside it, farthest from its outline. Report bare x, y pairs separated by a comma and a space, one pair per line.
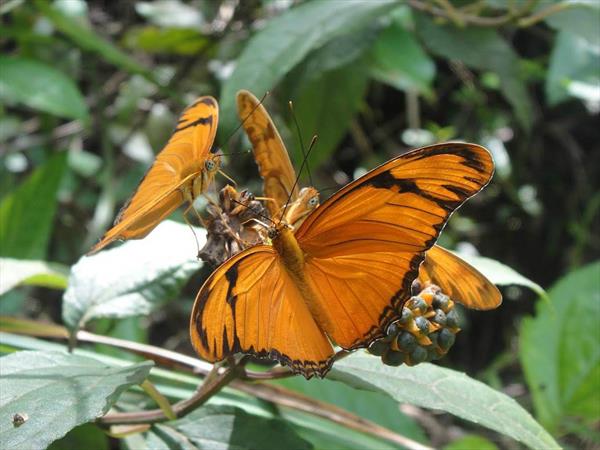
292, 256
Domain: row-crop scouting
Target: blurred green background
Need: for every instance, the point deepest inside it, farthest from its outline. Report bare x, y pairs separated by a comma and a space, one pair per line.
91, 91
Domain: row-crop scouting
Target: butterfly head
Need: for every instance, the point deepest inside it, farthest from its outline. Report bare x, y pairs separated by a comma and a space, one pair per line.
308, 200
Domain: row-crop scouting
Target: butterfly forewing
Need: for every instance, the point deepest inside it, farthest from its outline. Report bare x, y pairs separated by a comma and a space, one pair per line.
273, 161
364, 245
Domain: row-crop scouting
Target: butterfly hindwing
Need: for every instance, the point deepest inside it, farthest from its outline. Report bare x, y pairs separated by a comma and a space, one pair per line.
459, 280
250, 304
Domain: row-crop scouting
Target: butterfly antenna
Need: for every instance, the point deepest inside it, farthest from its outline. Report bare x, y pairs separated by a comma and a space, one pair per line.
228, 177
304, 155
287, 203
262, 216
247, 117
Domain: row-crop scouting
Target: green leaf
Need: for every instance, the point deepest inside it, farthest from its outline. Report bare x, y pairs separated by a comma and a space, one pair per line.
41, 87
85, 436
57, 391
471, 442
483, 49
400, 61
373, 406
287, 39
560, 350
166, 41
329, 120
225, 427
436, 387
27, 213
581, 17
501, 274
572, 60
32, 273
88, 40
133, 278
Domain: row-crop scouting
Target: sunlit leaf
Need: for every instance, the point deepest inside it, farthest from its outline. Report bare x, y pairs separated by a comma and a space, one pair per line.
471, 442
40, 87
27, 213
439, 388
560, 350
55, 392
501, 274
573, 59
179, 41
31, 273
287, 39
133, 278
580, 17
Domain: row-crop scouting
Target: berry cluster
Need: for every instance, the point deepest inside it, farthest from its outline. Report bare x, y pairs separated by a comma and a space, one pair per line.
424, 332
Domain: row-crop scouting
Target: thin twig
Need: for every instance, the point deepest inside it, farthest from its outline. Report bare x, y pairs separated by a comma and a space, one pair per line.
214, 382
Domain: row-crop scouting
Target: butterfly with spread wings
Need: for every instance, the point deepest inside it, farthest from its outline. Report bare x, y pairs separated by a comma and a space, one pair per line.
342, 276
182, 171
455, 276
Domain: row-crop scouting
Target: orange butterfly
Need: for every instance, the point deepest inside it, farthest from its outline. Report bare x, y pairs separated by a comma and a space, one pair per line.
344, 274
181, 172
456, 277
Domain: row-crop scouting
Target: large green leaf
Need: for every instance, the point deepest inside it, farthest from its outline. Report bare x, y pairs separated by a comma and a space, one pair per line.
484, 49
133, 278
86, 436
581, 17
373, 406
33, 273
225, 427
560, 350
87, 39
329, 120
41, 87
55, 392
287, 39
573, 60
27, 213
400, 61
436, 387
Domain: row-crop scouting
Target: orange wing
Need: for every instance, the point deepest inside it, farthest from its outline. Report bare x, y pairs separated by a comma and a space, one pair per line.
365, 244
458, 279
273, 161
250, 304
172, 178
348, 269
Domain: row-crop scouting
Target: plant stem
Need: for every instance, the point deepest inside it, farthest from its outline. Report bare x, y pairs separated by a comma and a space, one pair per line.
213, 383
